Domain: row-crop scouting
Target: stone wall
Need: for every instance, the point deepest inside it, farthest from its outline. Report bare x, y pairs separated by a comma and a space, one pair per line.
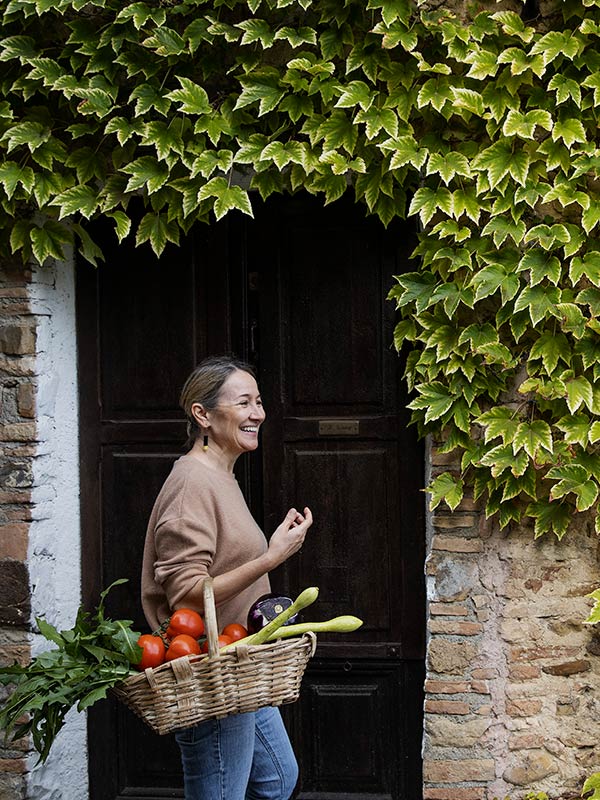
17, 443
513, 675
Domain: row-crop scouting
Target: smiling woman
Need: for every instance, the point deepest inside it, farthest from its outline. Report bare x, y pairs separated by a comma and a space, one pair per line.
200, 525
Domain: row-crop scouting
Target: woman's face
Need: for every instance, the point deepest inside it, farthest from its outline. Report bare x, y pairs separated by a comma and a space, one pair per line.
235, 422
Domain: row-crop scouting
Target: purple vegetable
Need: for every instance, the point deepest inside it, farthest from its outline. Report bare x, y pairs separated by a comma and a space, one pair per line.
267, 608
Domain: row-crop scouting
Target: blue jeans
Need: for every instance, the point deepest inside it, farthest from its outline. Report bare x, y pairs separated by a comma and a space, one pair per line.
241, 757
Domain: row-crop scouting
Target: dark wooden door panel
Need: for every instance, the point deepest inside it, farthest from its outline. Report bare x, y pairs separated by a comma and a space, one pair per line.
362, 702
351, 487
337, 441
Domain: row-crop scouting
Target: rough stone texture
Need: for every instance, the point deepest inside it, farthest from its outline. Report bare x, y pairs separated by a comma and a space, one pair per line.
506, 617
17, 431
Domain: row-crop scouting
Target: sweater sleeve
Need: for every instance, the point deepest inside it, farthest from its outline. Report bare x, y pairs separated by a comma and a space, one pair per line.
185, 549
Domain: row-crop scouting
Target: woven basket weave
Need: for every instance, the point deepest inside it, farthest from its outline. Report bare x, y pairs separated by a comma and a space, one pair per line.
190, 689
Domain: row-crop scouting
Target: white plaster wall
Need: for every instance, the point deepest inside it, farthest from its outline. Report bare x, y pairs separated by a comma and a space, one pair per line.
54, 536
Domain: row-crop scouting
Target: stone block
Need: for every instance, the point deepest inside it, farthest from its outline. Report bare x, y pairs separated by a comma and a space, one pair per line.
447, 732
457, 544
12, 787
17, 339
455, 579
454, 793
448, 609
568, 667
15, 607
13, 541
26, 400
522, 707
446, 707
450, 658
459, 771
533, 766
446, 687
524, 672
451, 627
18, 432
526, 741
15, 765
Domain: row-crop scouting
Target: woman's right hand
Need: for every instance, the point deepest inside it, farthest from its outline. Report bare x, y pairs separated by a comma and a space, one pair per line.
288, 538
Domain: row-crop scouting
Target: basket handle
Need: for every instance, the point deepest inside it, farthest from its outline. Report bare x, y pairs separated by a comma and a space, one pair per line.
210, 618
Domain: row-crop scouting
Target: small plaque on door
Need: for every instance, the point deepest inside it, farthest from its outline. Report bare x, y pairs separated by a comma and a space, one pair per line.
338, 427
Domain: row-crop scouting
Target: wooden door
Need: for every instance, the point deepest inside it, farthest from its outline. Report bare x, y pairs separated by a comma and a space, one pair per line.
337, 440
301, 292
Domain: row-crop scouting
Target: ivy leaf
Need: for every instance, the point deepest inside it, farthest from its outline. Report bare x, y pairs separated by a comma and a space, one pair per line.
588, 267
435, 92
576, 428
338, 131
435, 398
122, 223
565, 88
524, 125
499, 422
554, 44
579, 392
147, 98
496, 161
550, 517
12, 174
448, 165
548, 235
78, 199
192, 98
356, 93
590, 217
488, 280
551, 348
538, 300
572, 319
573, 479
531, 436
257, 30
165, 42
267, 96
377, 119
569, 130
405, 150
426, 202
49, 241
158, 230
540, 266
469, 100
446, 487
146, 172
502, 227
297, 36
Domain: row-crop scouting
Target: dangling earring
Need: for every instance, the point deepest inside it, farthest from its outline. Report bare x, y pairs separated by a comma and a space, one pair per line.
205, 444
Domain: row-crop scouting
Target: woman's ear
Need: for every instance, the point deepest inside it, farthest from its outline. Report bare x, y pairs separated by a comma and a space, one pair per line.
200, 414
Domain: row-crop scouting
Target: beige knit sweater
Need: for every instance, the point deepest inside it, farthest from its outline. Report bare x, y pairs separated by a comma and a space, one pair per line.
200, 525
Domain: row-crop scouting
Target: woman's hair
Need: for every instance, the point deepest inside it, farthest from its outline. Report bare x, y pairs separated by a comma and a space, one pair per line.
204, 386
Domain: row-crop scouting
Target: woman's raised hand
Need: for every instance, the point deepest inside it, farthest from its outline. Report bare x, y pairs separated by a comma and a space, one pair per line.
289, 536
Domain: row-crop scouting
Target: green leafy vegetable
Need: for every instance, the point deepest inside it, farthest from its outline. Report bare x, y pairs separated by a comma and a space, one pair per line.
88, 660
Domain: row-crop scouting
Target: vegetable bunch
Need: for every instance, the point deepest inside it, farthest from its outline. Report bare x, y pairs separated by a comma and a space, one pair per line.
89, 659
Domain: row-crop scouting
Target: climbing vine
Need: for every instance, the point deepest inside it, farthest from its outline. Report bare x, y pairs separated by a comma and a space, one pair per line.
480, 123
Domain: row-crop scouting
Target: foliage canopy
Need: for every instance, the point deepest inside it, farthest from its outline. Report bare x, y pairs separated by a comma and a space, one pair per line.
484, 128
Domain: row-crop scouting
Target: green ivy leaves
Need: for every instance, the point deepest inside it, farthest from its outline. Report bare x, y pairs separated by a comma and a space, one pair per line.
484, 131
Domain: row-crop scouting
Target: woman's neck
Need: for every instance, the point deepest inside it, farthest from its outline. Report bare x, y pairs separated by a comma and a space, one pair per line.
214, 456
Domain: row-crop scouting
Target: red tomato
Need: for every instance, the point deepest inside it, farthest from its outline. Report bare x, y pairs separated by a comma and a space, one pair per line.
222, 641
184, 620
235, 631
153, 648
182, 645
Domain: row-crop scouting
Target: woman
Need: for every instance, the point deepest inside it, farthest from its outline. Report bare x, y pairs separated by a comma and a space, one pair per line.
200, 525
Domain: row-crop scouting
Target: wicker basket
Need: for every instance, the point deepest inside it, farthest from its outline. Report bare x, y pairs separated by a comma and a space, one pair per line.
190, 689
